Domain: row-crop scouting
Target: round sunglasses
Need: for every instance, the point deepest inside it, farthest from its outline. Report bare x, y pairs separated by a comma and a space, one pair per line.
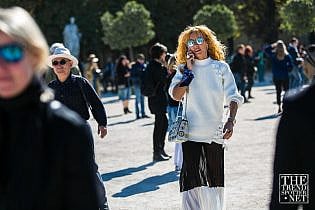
192, 42
61, 62
12, 52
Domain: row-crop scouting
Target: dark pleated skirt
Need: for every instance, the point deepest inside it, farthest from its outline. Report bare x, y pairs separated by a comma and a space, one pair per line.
203, 165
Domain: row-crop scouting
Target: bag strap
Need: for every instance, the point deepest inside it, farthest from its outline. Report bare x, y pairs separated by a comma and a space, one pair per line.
185, 106
178, 108
184, 114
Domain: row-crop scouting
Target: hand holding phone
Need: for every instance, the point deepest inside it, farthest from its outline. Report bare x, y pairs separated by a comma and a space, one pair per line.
190, 59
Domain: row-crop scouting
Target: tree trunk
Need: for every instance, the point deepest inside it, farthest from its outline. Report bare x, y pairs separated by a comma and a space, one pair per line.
230, 46
272, 21
131, 57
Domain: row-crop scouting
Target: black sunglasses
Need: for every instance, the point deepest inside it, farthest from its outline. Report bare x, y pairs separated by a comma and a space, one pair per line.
61, 62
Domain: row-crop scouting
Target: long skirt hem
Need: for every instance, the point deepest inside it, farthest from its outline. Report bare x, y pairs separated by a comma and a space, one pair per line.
203, 198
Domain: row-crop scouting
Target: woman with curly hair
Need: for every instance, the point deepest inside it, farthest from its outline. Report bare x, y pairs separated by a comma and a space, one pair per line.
208, 84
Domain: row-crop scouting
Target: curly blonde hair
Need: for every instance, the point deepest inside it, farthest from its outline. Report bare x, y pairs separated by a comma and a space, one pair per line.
216, 49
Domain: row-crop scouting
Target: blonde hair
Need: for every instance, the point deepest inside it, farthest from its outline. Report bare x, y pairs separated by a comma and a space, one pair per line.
216, 50
20, 26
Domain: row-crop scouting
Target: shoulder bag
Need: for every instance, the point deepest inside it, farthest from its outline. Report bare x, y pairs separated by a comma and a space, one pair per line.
179, 129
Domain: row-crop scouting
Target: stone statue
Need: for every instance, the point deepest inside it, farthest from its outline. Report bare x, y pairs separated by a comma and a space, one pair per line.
71, 37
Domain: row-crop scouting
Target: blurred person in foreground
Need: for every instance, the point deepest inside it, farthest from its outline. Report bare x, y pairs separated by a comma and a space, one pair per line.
46, 159
208, 83
294, 152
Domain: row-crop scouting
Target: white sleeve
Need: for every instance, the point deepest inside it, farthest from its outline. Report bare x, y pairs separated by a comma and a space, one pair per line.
176, 79
230, 89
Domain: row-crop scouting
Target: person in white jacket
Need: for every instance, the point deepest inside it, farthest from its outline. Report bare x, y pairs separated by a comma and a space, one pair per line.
209, 85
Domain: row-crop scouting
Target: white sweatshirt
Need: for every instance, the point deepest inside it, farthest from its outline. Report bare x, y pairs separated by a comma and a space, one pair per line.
212, 87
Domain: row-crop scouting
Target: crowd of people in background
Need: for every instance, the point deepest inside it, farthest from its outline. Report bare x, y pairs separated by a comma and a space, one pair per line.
291, 67
46, 148
124, 77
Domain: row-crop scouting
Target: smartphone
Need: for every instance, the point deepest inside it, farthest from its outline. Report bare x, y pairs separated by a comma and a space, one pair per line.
189, 55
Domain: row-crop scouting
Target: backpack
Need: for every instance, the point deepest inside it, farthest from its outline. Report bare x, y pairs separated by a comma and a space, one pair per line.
148, 86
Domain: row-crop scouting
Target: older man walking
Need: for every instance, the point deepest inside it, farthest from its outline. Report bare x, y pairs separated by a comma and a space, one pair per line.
77, 94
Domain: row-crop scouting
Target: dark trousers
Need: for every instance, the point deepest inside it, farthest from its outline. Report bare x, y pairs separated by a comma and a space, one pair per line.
240, 83
100, 187
281, 84
250, 83
159, 132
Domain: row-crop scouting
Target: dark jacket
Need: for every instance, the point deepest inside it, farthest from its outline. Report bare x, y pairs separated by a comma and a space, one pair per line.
121, 80
137, 73
294, 54
46, 156
238, 64
77, 93
158, 103
170, 100
295, 145
249, 66
280, 68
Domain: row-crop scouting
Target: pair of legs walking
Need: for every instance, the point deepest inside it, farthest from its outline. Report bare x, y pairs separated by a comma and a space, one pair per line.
139, 103
241, 84
159, 134
124, 96
100, 187
281, 84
